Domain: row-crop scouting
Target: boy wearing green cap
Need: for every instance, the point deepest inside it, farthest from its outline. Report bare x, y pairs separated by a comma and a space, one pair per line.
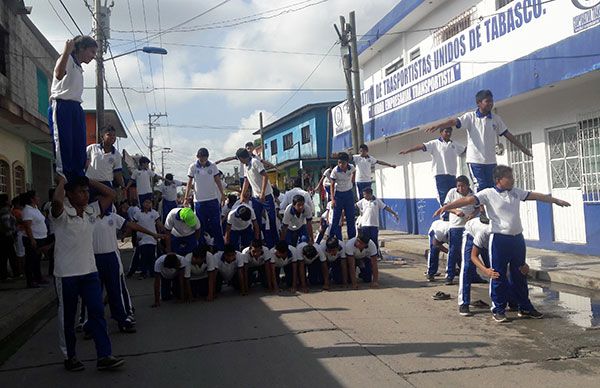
184, 228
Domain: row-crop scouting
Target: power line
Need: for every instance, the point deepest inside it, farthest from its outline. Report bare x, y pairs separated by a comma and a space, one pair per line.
121, 118
71, 16
60, 18
150, 56
137, 58
210, 89
162, 68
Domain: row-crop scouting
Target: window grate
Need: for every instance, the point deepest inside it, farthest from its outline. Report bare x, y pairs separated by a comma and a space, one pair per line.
4, 177
588, 141
454, 26
522, 164
565, 168
19, 174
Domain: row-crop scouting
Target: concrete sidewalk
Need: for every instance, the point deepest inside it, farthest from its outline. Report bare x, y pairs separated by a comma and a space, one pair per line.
550, 266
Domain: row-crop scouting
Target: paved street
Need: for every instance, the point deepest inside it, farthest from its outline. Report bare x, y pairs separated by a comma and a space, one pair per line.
394, 336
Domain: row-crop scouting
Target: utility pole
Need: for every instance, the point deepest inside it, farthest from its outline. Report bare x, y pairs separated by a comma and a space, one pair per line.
101, 15
356, 77
164, 151
152, 118
345, 52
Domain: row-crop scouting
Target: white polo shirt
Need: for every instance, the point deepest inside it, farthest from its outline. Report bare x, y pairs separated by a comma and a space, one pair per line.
341, 252
146, 220
143, 181
444, 155
102, 165
169, 273
38, 221
293, 220
253, 171
456, 221
326, 180
256, 261
369, 211
74, 245
309, 260
177, 227
503, 209
227, 270
481, 135
369, 251
71, 86
288, 198
479, 231
204, 181
169, 190
236, 222
105, 233
292, 257
194, 271
363, 167
440, 229
342, 179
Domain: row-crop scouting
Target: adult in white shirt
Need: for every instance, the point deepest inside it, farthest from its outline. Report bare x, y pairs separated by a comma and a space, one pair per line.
361, 252
342, 182
364, 163
313, 263
35, 239
75, 269
65, 115
335, 254
444, 160
296, 218
168, 189
104, 162
169, 270
208, 195
482, 128
231, 266
185, 230
259, 264
242, 226
438, 236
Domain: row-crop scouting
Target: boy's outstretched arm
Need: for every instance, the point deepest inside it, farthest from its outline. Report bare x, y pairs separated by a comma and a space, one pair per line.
533, 196
461, 202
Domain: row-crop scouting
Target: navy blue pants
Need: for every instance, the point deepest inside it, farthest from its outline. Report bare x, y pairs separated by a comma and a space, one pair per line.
506, 256
294, 237
360, 186
68, 291
315, 273
66, 120
455, 236
167, 206
288, 274
258, 274
271, 236
183, 245
241, 238
322, 230
335, 270
344, 200
468, 270
147, 257
170, 288
366, 272
129, 309
209, 214
444, 183
372, 232
109, 270
328, 193
482, 175
433, 258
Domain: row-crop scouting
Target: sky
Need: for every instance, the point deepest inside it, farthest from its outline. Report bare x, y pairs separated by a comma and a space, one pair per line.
231, 44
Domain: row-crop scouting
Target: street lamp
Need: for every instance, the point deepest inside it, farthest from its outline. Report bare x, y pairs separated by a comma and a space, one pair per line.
100, 77
165, 150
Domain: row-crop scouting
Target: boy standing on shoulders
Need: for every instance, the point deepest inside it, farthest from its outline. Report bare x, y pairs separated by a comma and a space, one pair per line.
369, 208
342, 181
507, 245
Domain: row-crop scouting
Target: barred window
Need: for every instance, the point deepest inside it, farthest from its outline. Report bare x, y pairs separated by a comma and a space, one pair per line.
454, 26
522, 164
19, 174
394, 66
565, 167
288, 141
4, 177
588, 137
274, 147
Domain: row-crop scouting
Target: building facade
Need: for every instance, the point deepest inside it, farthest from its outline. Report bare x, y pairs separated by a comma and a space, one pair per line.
424, 62
26, 63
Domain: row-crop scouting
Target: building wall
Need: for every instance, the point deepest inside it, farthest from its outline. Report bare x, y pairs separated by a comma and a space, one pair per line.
13, 150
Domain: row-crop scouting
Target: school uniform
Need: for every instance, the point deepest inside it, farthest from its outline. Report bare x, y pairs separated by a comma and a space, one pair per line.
325, 223
39, 230
481, 145
476, 234
288, 198
313, 265
198, 274
437, 231
335, 262
253, 171
256, 266
363, 164
506, 246
76, 275
455, 233
229, 271
169, 196
146, 243
242, 232
295, 223
344, 200
362, 258
109, 265
102, 166
183, 238
207, 202
66, 120
444, 156
285, 263
369, 217
327, 183
169, 277
143, 183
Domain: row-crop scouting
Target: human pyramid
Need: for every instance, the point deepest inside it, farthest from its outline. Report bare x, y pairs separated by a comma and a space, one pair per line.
263, 238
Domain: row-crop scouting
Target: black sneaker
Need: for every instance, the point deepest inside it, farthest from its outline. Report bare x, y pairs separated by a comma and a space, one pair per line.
431, 278
499, 317
110, 362
530, 314
449, 281
463, 310
480, 304
74, 365
127, 327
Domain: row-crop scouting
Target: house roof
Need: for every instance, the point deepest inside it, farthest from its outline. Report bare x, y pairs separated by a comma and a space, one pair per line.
298, 112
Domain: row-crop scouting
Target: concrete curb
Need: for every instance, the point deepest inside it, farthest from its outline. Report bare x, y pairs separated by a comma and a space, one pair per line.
23, 312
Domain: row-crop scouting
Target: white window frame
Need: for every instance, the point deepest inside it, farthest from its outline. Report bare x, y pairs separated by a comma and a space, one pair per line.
522, 164
588, 139
565, 158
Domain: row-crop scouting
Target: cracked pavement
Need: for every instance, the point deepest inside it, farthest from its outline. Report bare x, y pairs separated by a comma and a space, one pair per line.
395, 336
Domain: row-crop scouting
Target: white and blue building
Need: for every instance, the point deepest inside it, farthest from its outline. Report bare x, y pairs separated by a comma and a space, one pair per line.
425, 60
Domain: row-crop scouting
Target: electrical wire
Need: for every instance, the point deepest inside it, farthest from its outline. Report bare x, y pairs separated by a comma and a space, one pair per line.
71, 16
60, 18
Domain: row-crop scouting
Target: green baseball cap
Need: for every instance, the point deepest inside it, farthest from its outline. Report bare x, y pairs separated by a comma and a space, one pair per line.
187, 215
